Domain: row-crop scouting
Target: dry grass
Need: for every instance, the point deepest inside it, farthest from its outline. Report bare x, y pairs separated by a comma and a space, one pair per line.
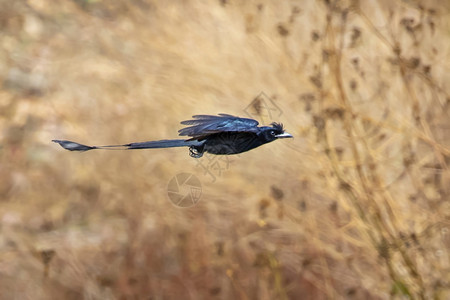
355, 207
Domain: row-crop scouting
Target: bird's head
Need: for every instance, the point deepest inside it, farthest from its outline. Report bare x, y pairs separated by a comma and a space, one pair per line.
273, 132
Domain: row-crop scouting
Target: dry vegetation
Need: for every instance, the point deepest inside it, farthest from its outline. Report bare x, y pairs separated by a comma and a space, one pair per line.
355, 207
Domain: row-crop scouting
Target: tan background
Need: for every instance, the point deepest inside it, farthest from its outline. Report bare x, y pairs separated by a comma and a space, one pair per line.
355, 207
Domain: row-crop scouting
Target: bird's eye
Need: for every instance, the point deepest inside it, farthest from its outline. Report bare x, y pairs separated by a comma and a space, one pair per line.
272, 132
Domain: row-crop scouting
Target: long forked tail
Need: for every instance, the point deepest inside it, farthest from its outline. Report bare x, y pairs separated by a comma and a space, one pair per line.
72, 146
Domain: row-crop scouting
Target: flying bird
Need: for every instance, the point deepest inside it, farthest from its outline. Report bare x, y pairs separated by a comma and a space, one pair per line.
221, 135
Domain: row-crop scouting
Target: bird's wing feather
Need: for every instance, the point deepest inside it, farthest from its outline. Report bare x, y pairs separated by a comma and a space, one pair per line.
202, 125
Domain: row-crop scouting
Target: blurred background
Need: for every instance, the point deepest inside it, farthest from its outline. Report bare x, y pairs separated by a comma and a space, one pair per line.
355, 207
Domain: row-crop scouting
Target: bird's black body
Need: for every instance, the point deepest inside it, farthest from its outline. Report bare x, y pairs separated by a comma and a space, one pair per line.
221, 135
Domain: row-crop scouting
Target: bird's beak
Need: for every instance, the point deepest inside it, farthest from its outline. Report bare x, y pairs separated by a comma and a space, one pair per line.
284, 135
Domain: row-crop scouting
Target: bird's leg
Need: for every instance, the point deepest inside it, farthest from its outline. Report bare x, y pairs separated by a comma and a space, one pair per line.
196, 151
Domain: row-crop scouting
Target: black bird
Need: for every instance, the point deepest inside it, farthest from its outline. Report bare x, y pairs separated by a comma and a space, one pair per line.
221, 135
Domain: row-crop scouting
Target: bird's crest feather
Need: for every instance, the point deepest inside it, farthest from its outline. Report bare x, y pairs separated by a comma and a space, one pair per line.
278, 126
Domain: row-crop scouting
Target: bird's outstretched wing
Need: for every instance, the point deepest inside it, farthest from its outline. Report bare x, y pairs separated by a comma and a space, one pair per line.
203, 125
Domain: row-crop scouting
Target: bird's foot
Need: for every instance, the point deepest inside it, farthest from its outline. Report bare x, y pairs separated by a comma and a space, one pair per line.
194, 152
